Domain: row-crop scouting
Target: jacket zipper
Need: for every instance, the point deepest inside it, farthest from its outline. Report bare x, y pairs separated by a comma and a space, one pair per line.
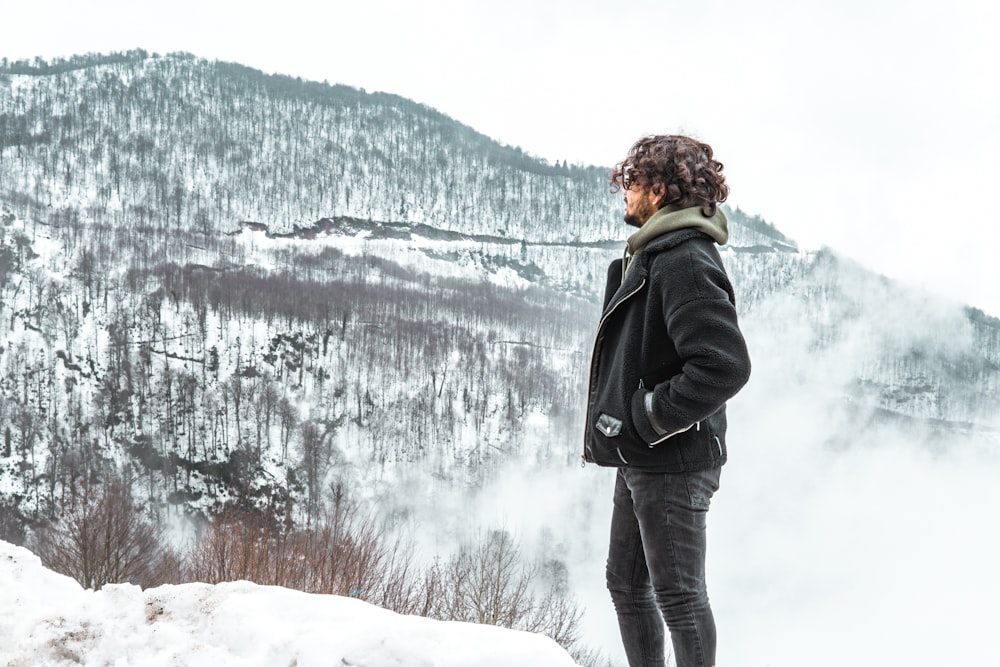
593, 359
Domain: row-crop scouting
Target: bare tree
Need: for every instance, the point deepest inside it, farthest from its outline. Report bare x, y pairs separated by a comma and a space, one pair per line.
239, 544
104, 539
316, 449
488, 582
345, 553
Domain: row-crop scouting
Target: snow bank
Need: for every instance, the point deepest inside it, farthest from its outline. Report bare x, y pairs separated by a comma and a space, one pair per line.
47, 619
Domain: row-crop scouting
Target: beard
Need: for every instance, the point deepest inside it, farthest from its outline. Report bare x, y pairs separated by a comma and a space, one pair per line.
642, 211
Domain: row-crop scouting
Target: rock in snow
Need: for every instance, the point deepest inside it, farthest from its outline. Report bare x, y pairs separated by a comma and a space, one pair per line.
47, 619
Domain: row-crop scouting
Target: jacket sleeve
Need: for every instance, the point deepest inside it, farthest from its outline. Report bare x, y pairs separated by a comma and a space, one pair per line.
715, 363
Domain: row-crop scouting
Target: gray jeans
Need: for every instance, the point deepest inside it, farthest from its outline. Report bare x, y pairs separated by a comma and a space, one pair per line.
657, 559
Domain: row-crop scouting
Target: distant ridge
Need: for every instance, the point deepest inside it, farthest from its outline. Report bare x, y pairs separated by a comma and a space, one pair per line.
178, 141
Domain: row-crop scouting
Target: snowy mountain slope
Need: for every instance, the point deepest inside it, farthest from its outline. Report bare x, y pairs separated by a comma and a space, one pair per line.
48, 620
251, 325
129, 174
909, 354
148, 326
187, 143
181, 141
410, 354
921, 356
201, 379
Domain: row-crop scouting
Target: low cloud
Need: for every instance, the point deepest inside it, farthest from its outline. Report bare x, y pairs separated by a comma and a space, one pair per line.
835, 539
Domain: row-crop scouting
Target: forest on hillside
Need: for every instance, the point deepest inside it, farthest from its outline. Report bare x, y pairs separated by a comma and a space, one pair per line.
246, 295
242, 369
208, 377
258, 403
180, 142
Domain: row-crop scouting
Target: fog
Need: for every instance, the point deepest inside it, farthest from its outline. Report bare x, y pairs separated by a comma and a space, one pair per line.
839, 541
835, 539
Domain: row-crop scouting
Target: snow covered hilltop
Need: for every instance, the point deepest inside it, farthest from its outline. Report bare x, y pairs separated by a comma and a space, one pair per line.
48, 620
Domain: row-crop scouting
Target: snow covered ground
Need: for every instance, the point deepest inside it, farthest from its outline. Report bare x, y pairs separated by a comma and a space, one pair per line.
47, 620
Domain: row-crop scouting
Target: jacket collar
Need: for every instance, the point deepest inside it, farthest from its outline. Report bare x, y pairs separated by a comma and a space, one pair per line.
670, 219
636, 269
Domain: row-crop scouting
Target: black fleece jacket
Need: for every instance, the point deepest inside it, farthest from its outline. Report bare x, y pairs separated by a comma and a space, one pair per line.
668, 355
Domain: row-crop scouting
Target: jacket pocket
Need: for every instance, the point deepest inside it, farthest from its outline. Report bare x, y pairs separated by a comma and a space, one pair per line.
610, 435
644, 422
608, 425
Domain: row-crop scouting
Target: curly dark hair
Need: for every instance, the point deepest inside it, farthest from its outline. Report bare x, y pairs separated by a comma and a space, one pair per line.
682, 166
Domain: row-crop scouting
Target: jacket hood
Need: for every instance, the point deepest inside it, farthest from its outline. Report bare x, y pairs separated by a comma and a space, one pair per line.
671, 218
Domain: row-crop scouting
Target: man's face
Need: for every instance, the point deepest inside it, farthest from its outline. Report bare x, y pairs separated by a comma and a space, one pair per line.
640, 205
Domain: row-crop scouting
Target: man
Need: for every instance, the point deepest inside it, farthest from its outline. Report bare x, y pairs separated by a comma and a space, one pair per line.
668, 355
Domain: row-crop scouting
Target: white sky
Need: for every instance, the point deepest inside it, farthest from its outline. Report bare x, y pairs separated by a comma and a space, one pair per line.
866, 125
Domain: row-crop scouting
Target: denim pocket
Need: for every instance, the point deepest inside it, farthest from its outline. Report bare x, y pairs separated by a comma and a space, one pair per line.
701, 486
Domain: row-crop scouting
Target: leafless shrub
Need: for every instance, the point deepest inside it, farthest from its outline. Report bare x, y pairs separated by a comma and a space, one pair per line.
238, 544
346, 553
104, 539
488, 582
